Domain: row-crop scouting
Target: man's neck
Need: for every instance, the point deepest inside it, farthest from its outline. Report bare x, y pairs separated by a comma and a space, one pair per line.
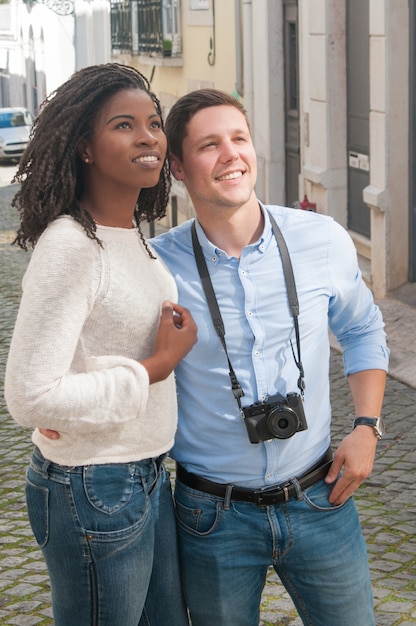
232, 230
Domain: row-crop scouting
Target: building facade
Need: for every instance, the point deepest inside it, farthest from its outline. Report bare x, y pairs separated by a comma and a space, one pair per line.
328, 89
42, 42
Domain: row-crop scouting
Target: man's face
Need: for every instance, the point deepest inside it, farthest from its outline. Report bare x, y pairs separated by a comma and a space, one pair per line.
219, 165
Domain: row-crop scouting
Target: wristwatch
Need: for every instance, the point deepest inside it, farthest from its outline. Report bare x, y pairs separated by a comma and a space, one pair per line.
377, 423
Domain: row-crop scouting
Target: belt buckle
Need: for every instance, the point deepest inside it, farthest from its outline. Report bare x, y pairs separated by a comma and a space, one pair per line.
271, 491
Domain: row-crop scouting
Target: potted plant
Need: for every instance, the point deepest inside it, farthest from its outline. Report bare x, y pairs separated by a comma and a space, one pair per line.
167, 47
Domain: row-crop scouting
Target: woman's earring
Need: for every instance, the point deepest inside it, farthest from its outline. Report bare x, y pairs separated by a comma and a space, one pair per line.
86, 159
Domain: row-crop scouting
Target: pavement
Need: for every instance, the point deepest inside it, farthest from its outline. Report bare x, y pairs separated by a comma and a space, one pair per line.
386, 502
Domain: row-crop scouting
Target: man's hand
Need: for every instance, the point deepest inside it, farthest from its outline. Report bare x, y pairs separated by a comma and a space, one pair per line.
355, 457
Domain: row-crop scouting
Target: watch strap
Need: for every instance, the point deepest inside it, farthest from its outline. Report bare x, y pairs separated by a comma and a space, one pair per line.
374, 422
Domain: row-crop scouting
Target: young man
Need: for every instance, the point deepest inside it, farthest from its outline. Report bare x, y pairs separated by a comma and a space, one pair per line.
255, 485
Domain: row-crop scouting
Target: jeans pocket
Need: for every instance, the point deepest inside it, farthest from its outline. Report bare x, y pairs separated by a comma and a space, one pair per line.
317, 496
37, 500
109, 487
198, 514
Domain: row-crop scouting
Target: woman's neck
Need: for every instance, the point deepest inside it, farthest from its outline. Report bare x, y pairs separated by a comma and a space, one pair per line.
118, 213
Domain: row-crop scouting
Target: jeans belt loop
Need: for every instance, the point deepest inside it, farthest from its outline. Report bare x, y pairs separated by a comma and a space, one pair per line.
45, 468
299, 492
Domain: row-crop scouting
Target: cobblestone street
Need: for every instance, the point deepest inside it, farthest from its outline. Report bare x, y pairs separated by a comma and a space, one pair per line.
386, 503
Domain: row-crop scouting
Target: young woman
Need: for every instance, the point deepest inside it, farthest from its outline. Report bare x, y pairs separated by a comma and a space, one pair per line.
96, 340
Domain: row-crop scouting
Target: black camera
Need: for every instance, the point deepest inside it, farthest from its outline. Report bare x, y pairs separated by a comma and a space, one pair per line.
278, 418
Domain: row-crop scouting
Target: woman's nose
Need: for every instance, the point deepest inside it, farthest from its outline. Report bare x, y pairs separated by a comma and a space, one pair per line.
146, 136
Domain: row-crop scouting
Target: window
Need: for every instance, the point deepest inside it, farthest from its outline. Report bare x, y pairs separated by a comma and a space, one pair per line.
146, 27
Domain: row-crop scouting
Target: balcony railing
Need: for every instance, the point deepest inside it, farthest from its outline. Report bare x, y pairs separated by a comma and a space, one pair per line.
148, 27
121, 25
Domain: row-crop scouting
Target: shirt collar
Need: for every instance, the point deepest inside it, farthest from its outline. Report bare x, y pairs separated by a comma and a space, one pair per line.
215, 254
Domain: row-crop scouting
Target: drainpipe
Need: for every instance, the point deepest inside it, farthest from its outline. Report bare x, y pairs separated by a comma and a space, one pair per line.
412, 146
248, 58
239, 62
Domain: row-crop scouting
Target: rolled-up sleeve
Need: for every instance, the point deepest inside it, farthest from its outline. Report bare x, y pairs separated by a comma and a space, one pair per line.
354, 318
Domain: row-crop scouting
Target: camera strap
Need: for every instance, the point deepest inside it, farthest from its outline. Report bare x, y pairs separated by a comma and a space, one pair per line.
216, 314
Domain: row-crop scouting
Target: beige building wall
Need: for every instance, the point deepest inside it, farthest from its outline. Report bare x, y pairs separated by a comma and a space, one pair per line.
208, 60
258, 26
208, 54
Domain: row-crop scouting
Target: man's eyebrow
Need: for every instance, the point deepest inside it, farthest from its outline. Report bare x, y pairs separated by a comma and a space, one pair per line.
235, 131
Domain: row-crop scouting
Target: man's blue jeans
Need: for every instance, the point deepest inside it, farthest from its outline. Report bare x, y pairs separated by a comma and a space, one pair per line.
105, 543
317, 550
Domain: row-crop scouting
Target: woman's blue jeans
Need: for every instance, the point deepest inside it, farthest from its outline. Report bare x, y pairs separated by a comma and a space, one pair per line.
317, 550
108, 536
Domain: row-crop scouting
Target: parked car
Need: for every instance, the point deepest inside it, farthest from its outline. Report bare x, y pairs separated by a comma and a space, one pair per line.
15, 126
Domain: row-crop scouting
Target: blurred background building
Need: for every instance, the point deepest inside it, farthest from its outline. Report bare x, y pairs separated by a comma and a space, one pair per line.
329, 86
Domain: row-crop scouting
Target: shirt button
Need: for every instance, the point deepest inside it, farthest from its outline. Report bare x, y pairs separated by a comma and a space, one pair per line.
250, 313
256, 353
214, 258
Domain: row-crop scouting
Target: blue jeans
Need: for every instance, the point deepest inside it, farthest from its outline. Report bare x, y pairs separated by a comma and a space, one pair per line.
108, 537
317, 550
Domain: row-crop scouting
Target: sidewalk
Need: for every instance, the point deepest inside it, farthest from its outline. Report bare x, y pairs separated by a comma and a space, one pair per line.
399, 313
386, 502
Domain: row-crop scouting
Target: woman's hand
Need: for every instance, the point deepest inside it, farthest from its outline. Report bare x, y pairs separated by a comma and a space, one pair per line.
176, 335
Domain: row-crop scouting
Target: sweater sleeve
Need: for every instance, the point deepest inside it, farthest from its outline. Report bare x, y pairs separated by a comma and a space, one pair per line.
45, 385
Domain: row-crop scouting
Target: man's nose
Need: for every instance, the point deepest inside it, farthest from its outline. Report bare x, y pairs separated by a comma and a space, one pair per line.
229, 152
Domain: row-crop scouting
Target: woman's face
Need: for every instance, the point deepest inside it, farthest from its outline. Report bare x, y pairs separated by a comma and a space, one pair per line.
127, 146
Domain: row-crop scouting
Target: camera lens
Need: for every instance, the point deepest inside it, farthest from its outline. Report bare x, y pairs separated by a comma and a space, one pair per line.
282, 422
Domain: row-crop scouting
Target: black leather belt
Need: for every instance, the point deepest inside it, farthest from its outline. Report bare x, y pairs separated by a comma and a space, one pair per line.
260, 497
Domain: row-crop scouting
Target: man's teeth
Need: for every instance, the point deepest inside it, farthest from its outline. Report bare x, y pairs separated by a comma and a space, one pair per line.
230, 176
146, 159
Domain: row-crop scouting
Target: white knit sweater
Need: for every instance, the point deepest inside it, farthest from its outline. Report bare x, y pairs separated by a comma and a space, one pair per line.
87, 316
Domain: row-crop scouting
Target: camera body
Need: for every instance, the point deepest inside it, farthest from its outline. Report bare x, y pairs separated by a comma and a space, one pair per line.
278, 418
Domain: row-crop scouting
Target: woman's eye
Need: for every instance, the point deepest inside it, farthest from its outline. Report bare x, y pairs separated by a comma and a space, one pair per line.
156, 125
124, 125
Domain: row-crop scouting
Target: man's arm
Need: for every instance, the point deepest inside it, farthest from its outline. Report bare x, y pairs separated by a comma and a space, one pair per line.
356, 452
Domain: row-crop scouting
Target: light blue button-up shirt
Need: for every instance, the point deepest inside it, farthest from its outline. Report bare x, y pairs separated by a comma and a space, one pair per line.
212, 439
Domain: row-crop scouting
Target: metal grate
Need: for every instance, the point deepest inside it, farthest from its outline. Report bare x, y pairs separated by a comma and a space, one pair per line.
149, 27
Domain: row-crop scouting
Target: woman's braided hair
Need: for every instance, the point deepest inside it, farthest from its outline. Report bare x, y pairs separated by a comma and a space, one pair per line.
50, 172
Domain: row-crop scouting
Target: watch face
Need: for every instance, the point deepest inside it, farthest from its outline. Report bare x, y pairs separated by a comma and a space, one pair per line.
379, 427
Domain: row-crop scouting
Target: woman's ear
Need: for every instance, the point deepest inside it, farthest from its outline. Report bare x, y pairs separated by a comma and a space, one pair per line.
175, 167
83, 151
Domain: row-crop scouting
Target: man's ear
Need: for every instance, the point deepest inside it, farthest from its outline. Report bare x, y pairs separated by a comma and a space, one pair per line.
175, 167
